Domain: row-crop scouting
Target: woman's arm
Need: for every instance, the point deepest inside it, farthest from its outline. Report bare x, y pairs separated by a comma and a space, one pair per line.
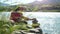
26, 18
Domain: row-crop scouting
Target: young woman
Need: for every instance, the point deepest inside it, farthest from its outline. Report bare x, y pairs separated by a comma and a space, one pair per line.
17, 15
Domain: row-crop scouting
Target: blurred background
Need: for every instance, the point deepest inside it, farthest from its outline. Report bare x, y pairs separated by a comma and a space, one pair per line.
31, 5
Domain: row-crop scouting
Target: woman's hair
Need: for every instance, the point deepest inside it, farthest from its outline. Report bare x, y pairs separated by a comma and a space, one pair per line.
20, 8
17, 9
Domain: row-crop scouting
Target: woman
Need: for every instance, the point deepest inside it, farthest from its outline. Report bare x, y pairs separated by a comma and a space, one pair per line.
17, 15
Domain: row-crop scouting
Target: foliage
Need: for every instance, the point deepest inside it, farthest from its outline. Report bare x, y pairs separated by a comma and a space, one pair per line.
8, 28
7, 8
29, 8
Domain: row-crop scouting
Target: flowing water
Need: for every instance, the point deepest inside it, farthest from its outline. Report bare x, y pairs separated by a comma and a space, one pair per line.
50, 22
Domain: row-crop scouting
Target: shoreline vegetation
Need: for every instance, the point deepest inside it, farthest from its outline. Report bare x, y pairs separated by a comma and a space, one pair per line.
35, 6
32, 7
8, 28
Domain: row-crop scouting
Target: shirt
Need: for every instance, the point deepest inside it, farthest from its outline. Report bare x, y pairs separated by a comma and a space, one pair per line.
15, 16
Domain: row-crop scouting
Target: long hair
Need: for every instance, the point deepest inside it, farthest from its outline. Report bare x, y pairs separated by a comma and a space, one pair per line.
20, 8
